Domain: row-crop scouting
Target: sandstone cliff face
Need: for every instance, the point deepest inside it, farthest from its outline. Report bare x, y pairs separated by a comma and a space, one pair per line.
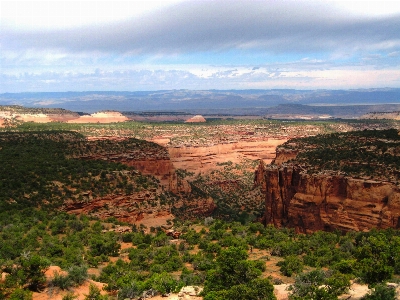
144, 205
326, 201
148, 161
283, 155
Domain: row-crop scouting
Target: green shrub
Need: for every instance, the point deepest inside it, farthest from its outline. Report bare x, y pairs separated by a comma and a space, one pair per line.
63, 282
381, 292
70, 296
291, 264
94, 294
374, 271
319, 284
78, 274
20, 294
164, 283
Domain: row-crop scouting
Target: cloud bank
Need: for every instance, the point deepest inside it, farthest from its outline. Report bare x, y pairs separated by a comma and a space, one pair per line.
200, 44
273, 26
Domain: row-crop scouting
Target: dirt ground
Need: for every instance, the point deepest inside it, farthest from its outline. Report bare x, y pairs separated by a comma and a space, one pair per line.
57, 294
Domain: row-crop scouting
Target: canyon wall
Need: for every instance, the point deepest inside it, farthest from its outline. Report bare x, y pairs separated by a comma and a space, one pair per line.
149, 206
325, 201
201, 159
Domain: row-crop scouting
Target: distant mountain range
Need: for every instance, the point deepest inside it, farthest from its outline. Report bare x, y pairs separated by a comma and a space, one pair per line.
239, 102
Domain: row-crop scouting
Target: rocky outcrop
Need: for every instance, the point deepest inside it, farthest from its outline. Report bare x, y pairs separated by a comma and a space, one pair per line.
100, 117
326, 200
178, 185
196, 119
284, 155
148, 159
190, 292
194, 208
126, 208
148, 204
201, 159
46, 115
395, 115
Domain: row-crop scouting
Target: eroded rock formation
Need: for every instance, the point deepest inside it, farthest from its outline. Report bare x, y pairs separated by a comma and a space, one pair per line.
149, 204
326, 200
46, 115
196, 119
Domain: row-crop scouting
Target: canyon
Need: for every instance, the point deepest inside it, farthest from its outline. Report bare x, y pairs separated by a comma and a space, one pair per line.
326, 200
162, 163
206, 158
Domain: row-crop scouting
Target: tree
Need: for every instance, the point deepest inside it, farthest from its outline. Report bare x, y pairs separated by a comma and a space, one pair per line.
20, 294
94, 293
291, 264
33, 268
381, 292
319, 284
235, 275
164, 283
257, 289
372, 271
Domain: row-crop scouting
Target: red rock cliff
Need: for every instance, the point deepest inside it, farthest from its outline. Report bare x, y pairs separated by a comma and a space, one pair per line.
326, 201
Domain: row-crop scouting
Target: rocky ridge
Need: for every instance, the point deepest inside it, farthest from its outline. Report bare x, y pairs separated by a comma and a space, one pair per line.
395, 115
153, 205
325, 200
9, 115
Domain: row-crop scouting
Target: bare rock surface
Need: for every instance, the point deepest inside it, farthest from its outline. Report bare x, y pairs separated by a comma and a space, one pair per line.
196, 119
326, 200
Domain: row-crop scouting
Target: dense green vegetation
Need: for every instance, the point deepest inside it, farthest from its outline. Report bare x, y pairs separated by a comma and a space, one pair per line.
218, 256
40, 170
44, 169
371, 153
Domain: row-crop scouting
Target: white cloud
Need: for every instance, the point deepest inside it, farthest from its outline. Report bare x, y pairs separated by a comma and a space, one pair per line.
213, 78
371, 8
50, 15
197, 26
175, 44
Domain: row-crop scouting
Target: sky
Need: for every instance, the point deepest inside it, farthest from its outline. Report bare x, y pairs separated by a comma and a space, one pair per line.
57, 46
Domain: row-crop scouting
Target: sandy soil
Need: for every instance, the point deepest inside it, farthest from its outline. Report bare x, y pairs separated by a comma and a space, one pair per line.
155, 220
57, 294
281, 291
37, 118
102, 117
110, 117
356, 291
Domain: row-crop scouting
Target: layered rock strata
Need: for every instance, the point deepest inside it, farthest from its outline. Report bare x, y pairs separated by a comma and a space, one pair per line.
325, 201
143, 206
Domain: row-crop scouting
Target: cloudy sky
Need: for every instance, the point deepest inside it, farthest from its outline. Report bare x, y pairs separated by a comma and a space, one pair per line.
198, 44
